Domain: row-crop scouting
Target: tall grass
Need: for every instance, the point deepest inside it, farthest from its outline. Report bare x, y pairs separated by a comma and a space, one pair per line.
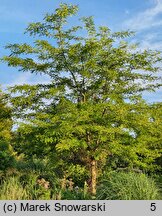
127, 186
24, 188
11, 189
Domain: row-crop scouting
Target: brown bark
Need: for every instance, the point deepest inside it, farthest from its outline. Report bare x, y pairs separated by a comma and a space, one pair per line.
93, 177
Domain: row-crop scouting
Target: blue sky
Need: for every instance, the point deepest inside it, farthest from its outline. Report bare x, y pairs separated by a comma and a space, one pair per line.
142, 16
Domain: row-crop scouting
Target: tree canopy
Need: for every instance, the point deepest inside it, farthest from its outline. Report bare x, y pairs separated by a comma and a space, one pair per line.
92, 111
6, 151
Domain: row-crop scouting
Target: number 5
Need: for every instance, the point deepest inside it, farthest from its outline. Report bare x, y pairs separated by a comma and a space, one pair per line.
153, 207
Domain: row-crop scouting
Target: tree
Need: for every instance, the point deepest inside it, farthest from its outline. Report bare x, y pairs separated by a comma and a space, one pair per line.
155, 131
92, 109
6, 152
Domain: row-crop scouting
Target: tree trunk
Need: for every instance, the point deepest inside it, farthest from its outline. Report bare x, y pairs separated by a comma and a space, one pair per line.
93, 177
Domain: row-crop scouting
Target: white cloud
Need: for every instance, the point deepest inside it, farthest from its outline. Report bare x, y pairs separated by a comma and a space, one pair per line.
146, 19
27, 78
21, 79
150, 41
153, 96
142, 23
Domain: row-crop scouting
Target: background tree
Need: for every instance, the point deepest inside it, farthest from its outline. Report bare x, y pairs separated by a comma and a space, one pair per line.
92, 109
6, 151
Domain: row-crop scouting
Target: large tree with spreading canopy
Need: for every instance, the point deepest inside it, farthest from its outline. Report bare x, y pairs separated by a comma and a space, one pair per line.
92, 109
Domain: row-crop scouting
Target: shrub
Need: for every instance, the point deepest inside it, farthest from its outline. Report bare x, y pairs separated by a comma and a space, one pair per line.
127, 186
6, 156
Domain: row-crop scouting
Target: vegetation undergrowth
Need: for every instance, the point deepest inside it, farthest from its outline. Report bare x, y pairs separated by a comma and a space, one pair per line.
127, 186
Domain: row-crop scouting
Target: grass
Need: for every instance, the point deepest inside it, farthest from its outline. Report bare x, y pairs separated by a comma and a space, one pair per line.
128, 186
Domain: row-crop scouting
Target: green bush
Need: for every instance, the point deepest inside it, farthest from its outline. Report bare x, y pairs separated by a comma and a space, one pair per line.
6, 156
127, 186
